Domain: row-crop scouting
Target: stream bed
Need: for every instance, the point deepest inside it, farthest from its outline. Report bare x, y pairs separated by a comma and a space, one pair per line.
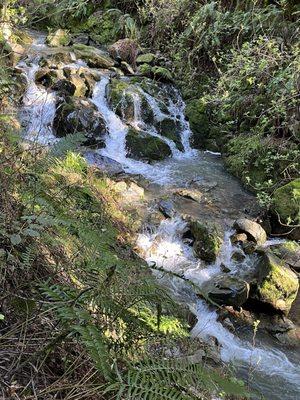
270, 368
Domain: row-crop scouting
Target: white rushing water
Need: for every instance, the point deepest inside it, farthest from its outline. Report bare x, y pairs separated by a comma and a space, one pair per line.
116, 139
39, 108
166, 248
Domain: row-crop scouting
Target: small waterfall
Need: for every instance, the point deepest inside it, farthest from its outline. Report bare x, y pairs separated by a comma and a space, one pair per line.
167, 250
115, 142
39, 109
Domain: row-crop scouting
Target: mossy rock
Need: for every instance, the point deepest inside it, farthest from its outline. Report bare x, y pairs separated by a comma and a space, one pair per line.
226, 290
80, 115
148, 58
208, 241
58, 38
170, 129
286, 202
196, 113
120, 100
289, 252
93, 56
103, 27
142, 146
277, 284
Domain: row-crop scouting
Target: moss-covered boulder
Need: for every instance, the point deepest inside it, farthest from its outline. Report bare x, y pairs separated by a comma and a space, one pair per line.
170, 128
80, 115
277, 285
148, 58
196, 113
208, 241
94, 57
289, 252
122, 96
286, 202
58, 38
226, 290
142, 146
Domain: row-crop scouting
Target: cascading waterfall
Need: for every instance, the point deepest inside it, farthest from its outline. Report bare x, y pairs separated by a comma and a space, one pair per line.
39, 109
166, 248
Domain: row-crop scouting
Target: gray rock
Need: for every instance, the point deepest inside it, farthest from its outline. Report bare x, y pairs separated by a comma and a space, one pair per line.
226, 290
166, 207
252, 229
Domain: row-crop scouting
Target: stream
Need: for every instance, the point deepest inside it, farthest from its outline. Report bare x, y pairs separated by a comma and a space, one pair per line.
274, 370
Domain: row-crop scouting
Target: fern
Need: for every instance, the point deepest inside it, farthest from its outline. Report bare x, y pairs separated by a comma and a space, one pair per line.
173, 380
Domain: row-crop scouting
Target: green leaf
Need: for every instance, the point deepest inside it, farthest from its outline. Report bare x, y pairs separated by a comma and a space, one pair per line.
15, 239
31, 232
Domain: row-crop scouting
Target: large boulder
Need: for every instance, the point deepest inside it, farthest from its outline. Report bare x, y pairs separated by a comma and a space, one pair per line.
289, 252
170, 128
80, 115
286, 207
58, 38
207, 243
142, 146
226, 290
124, 50
93, 56
253, 230
277, 285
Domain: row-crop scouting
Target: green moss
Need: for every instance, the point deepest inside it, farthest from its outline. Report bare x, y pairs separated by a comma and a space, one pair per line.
148, 58
286, 202
199, 123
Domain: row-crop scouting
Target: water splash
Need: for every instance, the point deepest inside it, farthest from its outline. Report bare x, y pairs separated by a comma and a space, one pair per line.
166, 248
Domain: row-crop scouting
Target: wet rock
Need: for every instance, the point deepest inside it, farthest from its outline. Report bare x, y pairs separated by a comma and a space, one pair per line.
207, 244
105, 164
226, 290
56, 60
277, 284
276, 323
130, 191
252, 229
124, 50
238, 238
81, 39
94, 57
224, 268
142, 146
79, 83
249, 247
238, 256
166, 207
189, 194
64, 87
170, 128
127, 68
290, 338
58, 38
289, 252
80, 115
